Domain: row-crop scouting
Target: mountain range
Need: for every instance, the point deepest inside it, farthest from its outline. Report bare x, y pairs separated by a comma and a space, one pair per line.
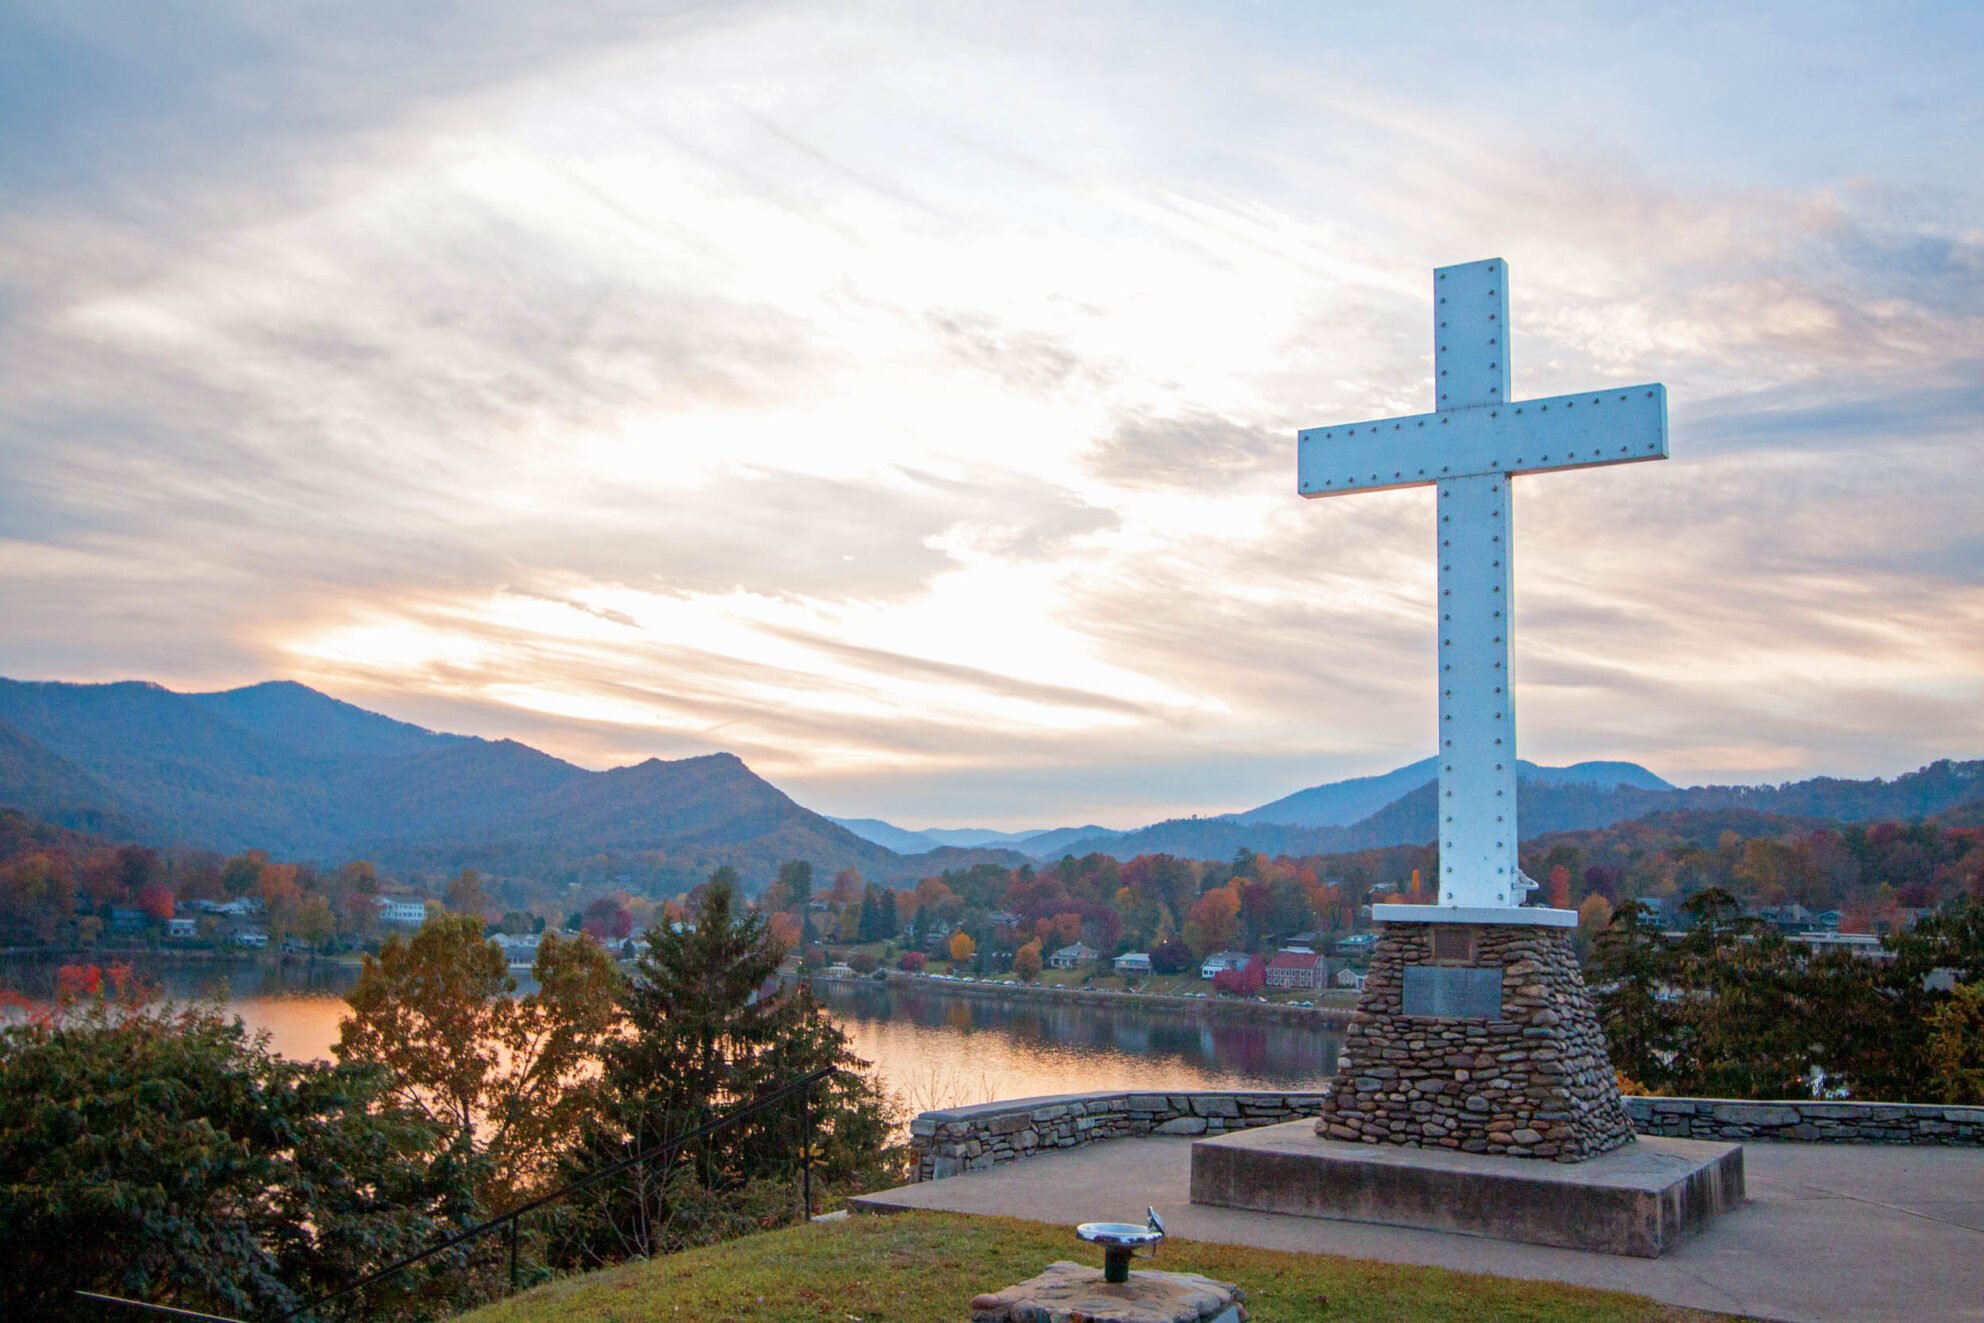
284, 768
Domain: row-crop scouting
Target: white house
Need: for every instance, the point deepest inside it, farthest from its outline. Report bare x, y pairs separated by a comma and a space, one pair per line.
253, 938
1072, 957
1219, 961
410, 910
1350, 978
187, 927
1132, 962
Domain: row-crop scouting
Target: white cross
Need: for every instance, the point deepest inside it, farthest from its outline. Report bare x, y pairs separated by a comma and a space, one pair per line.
1470, 448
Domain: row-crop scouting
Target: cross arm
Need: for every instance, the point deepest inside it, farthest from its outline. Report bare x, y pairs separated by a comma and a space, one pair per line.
1623, 425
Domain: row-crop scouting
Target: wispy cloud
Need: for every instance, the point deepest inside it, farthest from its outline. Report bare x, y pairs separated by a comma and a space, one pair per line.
903, 398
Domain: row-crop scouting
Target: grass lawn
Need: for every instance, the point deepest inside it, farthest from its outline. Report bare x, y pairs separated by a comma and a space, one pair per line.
925, 1267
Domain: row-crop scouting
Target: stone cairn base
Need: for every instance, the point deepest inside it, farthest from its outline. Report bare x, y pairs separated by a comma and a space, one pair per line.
1071, 1293
1532, 1082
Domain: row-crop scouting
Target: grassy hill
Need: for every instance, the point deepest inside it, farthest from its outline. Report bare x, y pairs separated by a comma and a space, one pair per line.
925, 1268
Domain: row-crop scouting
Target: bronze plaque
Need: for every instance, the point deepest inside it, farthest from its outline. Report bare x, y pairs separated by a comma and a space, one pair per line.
1453, 993
1453, 942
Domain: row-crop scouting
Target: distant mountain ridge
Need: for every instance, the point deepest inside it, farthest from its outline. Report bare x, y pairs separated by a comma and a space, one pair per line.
284, 768
1552, 804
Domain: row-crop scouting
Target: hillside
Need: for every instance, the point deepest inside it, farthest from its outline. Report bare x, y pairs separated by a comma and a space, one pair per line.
283, 768
1545, 807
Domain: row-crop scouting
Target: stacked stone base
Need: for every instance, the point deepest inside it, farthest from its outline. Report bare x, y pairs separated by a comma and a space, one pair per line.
1534, 1082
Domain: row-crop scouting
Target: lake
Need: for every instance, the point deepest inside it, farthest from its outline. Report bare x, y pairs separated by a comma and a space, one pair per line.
930, 1049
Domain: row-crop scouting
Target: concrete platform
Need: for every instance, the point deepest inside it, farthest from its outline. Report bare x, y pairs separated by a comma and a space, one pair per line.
1641, 1199
1831, 1233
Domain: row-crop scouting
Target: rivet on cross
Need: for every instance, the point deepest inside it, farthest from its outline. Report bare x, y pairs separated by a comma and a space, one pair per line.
1470, 448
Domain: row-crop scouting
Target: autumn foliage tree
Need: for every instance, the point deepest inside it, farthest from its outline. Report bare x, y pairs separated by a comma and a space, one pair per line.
1026, 961
962, 947
509, 1079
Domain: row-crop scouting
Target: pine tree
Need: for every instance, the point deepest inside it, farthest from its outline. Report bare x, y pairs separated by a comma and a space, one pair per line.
705, 1036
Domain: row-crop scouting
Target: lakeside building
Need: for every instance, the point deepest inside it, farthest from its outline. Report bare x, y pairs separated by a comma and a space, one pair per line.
1865, 945
1073, 957
409, 910
1220, 961
1132, 962
1296, 969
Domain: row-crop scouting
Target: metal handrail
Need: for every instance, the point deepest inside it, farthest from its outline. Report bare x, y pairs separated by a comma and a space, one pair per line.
803, 1086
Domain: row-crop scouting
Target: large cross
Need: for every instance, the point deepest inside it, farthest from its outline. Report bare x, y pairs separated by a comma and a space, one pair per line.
1470, 448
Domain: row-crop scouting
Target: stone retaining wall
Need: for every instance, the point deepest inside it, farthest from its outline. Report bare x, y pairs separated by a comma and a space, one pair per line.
1807, 1121
960, 1139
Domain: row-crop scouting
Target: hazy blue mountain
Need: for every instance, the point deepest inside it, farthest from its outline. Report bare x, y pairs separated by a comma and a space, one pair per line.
970, 837
1340, 803
900, 839
905, 841
283, 768
1546, 807
318, 725
1062, 840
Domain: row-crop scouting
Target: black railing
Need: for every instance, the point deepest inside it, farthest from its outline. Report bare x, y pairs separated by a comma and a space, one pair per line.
803, 1087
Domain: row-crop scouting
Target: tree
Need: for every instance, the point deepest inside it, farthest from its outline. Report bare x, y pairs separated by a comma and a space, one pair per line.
912, 962
176, 1159
607, 920
1245, 981
1214, 921
703, 1036
1026, 961
155, 899
1956, 1047
508, 1079
1170, 957
1559, 887
465, 895
795, 892
962, 947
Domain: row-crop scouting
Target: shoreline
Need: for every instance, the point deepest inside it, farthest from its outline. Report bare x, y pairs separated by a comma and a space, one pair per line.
1316, 1017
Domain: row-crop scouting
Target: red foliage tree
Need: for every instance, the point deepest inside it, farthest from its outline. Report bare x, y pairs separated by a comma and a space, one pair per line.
155, 899
1246, 981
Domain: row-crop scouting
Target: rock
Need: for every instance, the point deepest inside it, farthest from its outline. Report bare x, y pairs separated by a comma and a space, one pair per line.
1068, 1291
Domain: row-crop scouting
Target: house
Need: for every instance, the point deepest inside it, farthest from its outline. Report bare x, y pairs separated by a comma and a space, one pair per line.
1071, 957
840, 970
408, 910
187, 927
1219, 961
1357, 944
1349, 978
1865, 945
1132, 962
253, 938
126, 919
1296, 969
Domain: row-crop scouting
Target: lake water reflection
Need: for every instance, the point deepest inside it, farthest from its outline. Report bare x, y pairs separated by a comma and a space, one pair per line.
931, 1048
940, 1050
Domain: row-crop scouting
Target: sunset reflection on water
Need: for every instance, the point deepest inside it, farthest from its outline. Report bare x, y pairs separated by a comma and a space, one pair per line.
930, 1048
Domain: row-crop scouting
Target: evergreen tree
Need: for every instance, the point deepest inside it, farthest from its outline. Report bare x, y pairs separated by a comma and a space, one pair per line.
705, 1036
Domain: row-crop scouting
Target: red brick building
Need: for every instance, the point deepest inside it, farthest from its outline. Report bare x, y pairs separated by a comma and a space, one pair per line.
1297, 969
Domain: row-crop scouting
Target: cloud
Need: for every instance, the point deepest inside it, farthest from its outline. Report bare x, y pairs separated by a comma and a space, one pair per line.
904, 399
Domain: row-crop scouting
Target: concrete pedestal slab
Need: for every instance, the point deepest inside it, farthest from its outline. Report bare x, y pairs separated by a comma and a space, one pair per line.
1639, 1200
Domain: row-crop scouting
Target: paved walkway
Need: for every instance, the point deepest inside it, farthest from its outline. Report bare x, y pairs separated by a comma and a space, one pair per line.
1837, 1233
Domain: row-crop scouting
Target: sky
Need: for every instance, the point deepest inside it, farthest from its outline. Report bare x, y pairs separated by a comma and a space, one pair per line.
903, 396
